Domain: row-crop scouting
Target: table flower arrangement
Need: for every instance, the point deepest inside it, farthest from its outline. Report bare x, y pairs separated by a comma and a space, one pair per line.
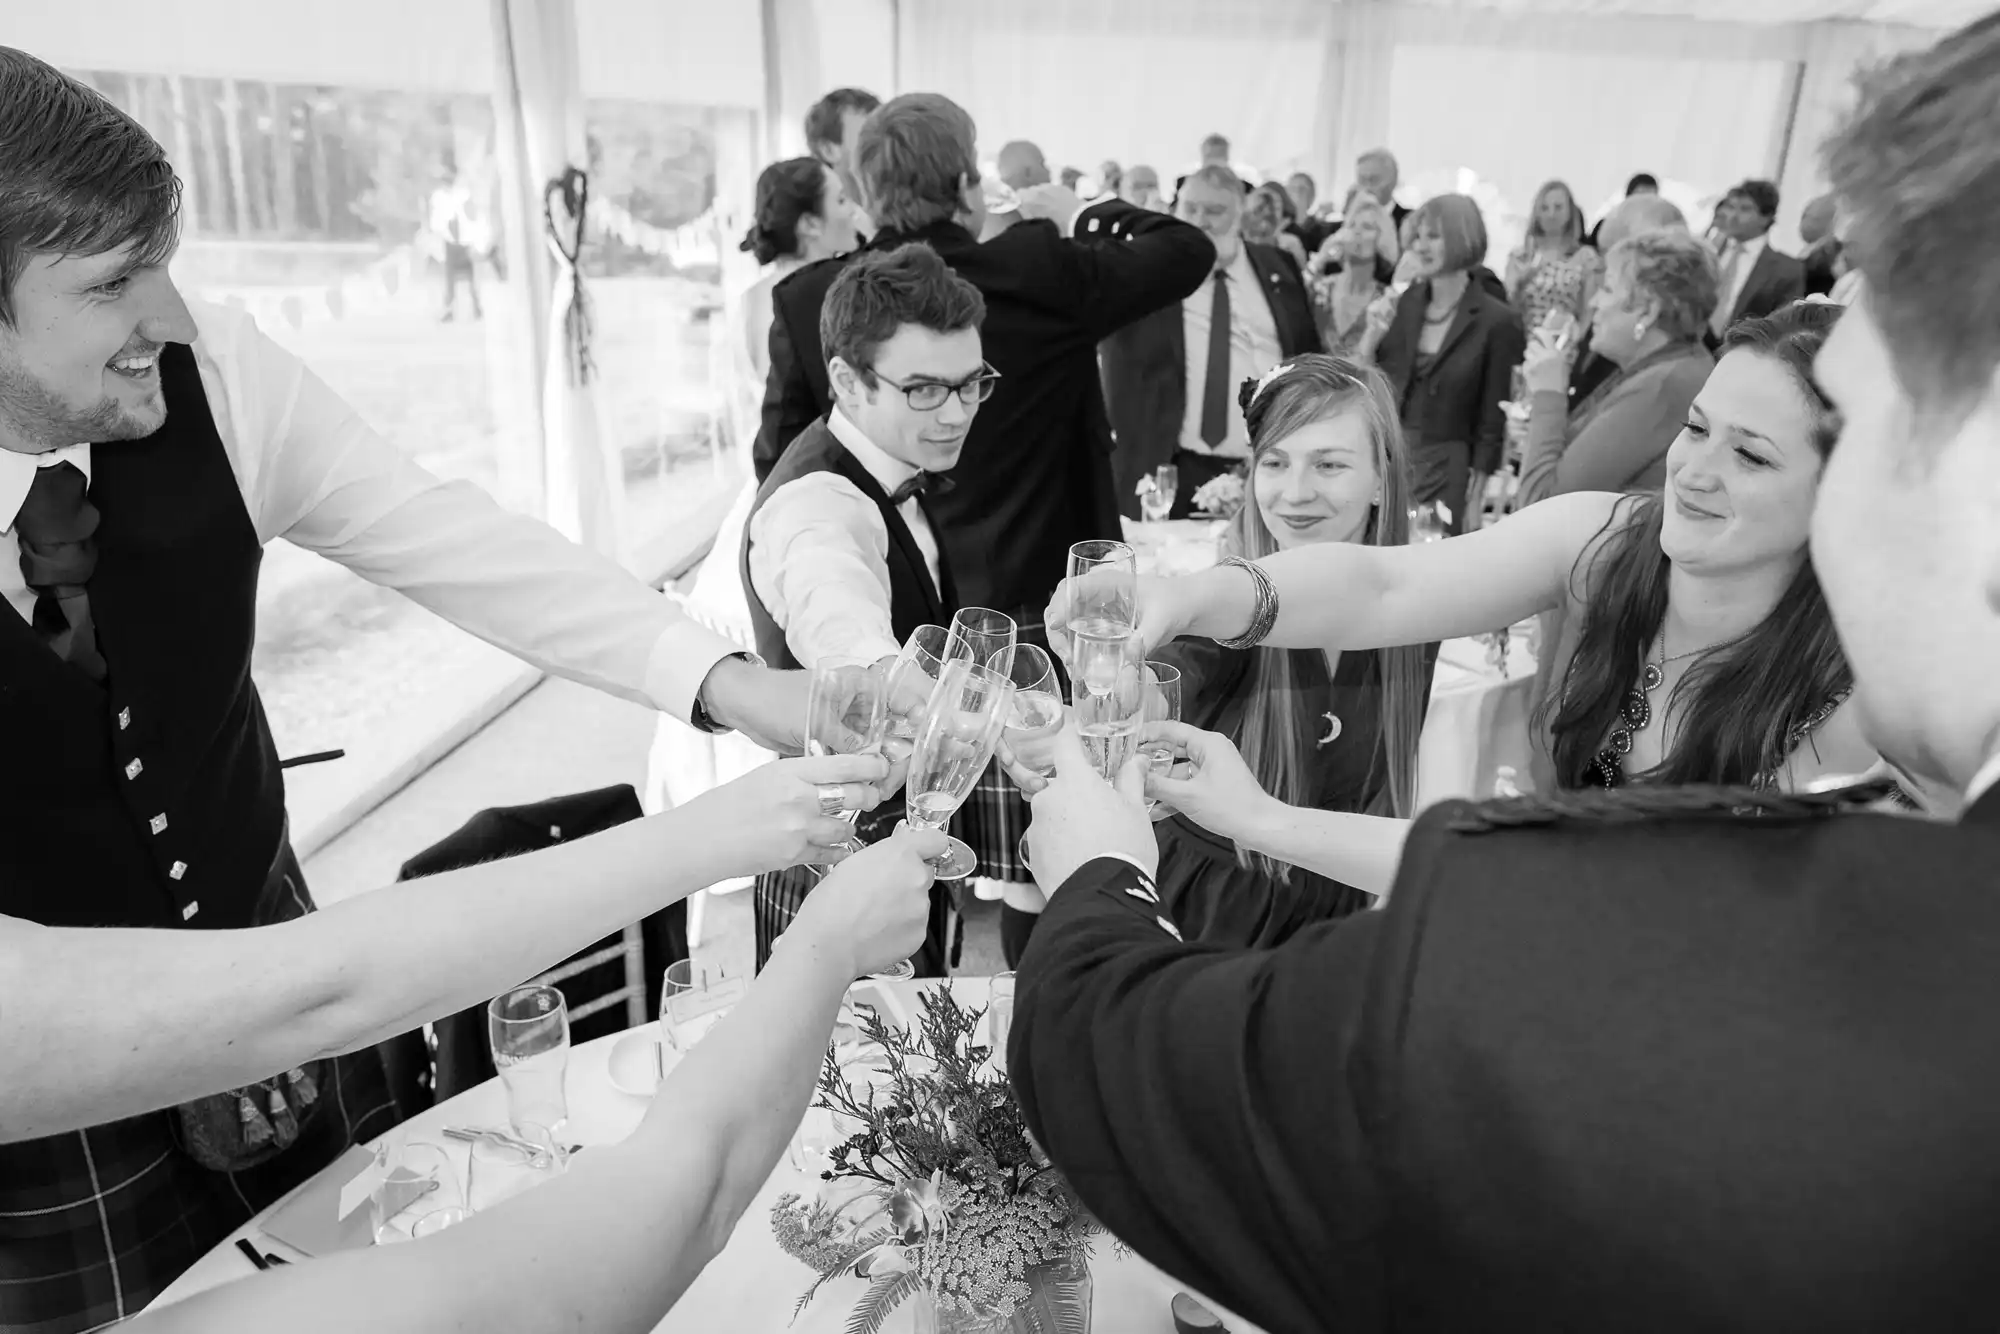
945, 1203
1221, 496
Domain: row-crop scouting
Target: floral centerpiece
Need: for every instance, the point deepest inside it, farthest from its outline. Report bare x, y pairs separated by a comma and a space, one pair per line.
1221, 496
938, 1197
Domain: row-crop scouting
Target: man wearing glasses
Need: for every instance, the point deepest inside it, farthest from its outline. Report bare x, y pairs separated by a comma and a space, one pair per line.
841, 555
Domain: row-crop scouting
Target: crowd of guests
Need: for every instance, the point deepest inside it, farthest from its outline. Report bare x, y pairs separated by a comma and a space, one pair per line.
1692, 1038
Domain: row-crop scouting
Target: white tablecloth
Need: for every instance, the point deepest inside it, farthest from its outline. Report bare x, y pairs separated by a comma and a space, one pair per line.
750, 1288
1478, 721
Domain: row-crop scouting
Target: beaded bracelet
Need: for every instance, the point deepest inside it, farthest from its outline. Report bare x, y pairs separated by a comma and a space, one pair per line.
1266, 614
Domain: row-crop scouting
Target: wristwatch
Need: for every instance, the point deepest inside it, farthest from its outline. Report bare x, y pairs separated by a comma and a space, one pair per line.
702, 720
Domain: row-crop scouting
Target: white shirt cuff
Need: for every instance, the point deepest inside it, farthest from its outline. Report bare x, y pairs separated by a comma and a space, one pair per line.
683, 656
1076, 218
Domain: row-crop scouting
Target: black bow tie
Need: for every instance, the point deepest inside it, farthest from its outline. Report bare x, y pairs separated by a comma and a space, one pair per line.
916, 486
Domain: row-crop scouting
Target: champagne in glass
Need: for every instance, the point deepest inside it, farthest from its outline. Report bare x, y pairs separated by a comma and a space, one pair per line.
1163, 705
953, 747
914, 677
1156, 500
1104, 590
846, 714
1036, 715
1108, 694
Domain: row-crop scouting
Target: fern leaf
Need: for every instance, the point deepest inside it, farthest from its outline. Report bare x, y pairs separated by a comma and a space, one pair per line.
884, 1295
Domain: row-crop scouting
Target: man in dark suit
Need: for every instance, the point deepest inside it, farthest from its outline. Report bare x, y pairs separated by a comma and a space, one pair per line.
1170, 379
1629, 1061
1035, 476
1822, 257
1756, 279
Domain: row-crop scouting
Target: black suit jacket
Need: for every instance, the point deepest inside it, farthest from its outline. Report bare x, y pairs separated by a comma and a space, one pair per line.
1145, 370
1035, 476
1459, 399
1776, 280
1714, 1074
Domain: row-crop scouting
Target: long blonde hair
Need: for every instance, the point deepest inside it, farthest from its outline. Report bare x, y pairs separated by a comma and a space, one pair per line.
1274, 744
1386, 246
1572, 233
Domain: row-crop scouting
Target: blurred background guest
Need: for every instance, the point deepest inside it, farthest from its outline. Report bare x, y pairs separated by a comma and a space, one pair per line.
1449, 348
1071, 177
1822, 257
1311, 230
833, 126
1647, 320
1553, 270
1021, 165
1756, 279
1636, 213
1109, 177
1268, 217
1376, 173
1355, 266
1140, 187
1214, 153
1171, 379
1641, 184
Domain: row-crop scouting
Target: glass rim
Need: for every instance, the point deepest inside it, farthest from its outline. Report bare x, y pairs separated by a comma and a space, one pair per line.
1106, 549
560, 1007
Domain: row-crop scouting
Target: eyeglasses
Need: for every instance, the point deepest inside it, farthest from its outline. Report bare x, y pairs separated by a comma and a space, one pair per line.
929, 396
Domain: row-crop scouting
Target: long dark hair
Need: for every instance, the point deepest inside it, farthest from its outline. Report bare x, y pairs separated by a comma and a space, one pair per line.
786, 192
1747, 701
1307, 389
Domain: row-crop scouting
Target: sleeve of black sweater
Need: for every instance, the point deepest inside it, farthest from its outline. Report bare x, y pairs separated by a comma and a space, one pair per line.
1209, 1105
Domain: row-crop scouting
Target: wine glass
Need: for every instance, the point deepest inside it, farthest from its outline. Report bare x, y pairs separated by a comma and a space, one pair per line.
1034, 718
1163, 705
1430, 522
846, 714
914, 676
987, 635
1104, 590
1108, 693
1156, 499
954, 744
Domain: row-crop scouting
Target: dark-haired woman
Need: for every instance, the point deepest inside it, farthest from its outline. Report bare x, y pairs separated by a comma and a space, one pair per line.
1697, 646
803, 214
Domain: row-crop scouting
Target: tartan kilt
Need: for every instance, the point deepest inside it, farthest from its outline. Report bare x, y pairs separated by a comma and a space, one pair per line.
777, 896
96, 1223
991, 822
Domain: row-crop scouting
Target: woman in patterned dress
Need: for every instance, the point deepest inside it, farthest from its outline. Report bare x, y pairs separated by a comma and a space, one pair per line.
1553, 270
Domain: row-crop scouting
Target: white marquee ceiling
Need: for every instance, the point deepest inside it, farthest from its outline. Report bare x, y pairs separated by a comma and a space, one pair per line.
1921, 13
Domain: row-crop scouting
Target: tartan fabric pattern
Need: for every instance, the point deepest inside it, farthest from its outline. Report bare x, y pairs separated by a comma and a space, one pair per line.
991, 822
777, 895
95, 1224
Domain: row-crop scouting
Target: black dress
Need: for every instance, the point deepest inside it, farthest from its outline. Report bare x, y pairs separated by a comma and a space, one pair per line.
1211, 896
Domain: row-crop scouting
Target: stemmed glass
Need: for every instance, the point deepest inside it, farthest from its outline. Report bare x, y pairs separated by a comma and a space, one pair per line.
1108, 692
987, 635
846, 714
1034, 718
1104, 590
954, 744
1157, 491
914, 676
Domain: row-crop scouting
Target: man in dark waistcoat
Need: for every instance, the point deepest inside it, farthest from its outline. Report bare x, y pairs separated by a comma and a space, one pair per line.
842, 556
1661, 1060
149, 448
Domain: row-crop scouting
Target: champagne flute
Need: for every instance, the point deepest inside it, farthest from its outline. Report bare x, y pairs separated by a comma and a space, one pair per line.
987, 635
954, 744
914, 677
1104, 590
1034, 718
1156, 501
1108, 695
846, 714
1163, 705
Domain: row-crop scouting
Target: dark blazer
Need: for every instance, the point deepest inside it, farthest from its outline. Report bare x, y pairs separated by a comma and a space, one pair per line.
1145, 370
1776, 280
1681, 1073
1818, 263
1460, 397
1035, 476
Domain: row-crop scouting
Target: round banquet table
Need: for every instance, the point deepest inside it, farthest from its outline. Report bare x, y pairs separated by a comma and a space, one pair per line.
751, 1287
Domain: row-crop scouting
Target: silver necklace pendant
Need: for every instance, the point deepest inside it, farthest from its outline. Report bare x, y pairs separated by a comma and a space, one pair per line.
1332, 729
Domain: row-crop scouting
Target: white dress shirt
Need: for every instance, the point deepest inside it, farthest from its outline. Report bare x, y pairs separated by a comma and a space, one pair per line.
1747, 253
313, 472
1253, 349
819, 556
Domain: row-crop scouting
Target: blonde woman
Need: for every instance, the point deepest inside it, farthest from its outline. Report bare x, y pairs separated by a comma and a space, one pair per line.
1328, 731
1356, 264
1553, 270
